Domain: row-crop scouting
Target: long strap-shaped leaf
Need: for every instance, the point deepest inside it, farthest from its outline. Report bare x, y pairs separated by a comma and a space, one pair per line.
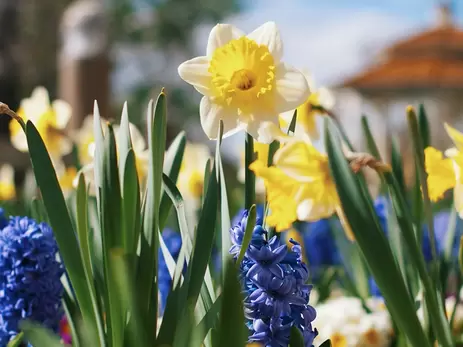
61, 224
373, 243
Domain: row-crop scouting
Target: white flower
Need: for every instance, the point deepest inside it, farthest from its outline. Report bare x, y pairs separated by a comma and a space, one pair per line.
49, 119
84, 140
191, 176
309, 121
7, 186
243, 81
347, 324
66, 177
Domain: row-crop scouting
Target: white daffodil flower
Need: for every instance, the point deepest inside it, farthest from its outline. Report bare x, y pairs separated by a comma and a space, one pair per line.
191, 176
309, 121
244, 82
49, 119
7, 186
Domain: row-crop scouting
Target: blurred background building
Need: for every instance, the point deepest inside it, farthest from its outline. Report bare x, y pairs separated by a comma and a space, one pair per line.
377, 57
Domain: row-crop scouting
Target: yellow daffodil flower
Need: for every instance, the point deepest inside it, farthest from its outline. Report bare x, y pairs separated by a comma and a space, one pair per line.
308, 114
191, 175
84, 140
49, 119
299, 186
7, 186
262, 151
66, 177
445, 173
243, 81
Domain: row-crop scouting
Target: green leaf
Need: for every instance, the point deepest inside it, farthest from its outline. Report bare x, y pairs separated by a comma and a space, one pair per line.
130, 205
121, 270
209, 321
16, 342
112, 236
224, 209
371, 145
250, 224
231, 323
425, 130
148, 268
60, 221
396, 163
172, 163
83, 237
204, 240
249, 176
327, 343
124, 141
372, 242
38, 336
98, 152
292, 125
296, 339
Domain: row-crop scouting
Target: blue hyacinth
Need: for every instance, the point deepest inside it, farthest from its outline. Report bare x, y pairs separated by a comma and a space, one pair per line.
274, 282
173, 241
30, 285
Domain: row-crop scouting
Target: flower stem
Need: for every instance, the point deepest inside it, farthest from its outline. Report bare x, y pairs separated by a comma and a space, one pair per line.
250, 178
4, 109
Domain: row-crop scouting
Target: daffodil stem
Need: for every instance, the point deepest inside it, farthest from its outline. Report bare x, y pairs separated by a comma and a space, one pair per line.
250, 178
4, 109
419, 157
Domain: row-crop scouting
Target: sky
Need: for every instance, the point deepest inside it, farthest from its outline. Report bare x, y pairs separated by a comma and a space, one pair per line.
334, 39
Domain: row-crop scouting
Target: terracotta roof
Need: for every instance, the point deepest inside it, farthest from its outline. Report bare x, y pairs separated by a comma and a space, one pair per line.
431, 59
411, 73
447, 38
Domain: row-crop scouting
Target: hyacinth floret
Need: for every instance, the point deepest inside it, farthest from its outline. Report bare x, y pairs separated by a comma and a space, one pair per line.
173, 241
30, 285
274, 281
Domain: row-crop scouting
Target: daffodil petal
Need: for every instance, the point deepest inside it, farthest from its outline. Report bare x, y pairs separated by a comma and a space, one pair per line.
35, 106
63, 113
19, 141
269, 35
265, 131
220, 35
458, 198
195, 72
455, 135
211, 114
292, 89
441, 173
6, 173
326, 98
294, 159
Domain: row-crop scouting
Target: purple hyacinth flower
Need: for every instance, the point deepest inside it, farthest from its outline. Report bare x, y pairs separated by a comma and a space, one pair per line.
267, 259
273, 334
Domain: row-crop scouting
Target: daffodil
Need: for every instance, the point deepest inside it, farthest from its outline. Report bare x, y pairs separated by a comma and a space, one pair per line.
191, 175
84, 140
310, 113
445, 173
66, 177
299, 186
49, 119
244, 82
7, 186
262, 151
